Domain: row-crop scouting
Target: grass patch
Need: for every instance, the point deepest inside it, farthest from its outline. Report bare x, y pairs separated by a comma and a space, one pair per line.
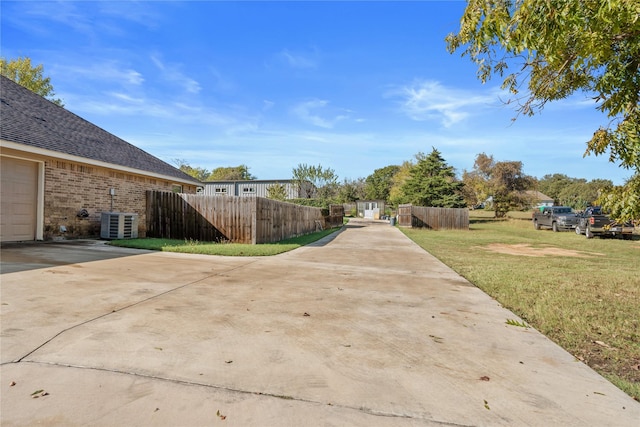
226, 249
489, 214
586, 299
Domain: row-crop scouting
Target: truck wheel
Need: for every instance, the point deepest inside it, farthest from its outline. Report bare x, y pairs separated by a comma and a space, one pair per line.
578, 231
589, 233
554, 227
536, 225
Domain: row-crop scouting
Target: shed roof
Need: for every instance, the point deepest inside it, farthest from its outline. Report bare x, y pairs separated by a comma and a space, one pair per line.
29, 119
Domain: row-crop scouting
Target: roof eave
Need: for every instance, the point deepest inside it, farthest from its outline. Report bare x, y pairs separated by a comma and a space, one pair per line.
60, 155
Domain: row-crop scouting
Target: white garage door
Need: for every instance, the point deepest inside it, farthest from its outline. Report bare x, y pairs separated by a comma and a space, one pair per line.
18, 198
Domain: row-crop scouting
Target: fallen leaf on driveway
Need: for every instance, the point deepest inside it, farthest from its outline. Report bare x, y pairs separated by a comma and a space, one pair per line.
39, 393
436, 339
484, 378
306, 314
12, 383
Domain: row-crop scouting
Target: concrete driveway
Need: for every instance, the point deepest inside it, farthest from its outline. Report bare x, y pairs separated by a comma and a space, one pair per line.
363, 328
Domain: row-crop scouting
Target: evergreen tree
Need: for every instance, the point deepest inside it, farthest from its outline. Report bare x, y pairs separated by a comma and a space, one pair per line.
433, 183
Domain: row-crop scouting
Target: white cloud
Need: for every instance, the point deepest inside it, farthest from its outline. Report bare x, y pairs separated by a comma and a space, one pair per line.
65, 13
127, 98
298, 60
173, 74
142, 13
430, 100
307, 112
267, 105
103, 71
179, 114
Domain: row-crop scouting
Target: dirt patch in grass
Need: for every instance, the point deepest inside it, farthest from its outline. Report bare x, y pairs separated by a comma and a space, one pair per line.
525, 249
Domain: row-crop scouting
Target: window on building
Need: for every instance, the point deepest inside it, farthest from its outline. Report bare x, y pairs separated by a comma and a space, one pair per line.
248, 190
176, 188
221, 190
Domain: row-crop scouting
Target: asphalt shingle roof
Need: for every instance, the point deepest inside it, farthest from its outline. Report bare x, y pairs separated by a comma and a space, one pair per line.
29, 119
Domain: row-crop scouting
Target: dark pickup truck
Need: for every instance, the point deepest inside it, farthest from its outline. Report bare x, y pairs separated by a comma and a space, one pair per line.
554, 217
592, 222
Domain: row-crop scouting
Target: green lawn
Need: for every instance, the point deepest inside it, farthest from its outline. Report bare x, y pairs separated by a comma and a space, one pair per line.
586, 298
226, 249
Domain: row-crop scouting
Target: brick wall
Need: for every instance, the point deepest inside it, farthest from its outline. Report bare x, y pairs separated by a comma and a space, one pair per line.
71, 187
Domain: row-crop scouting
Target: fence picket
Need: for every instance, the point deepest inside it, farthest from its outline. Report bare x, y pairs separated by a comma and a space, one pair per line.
433, 218
232, 218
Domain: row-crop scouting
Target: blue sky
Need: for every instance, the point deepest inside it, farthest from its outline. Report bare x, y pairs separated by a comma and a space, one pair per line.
353, 86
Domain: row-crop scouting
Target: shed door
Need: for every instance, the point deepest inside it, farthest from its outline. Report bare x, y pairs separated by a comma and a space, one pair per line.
371, 209
18, 196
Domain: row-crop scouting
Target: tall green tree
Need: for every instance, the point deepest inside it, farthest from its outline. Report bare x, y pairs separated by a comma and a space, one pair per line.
505, 182
396, 192
547, 50
323, 181
627, 206
351, 190
475, 190
553, 184
200, 174
433, 183
378, 184
277, 191
32, 77
577, 193
231, 173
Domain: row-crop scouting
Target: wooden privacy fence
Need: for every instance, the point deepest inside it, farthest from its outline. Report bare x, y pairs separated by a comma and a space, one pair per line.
433, 218
275, 220
233, 218
169, 216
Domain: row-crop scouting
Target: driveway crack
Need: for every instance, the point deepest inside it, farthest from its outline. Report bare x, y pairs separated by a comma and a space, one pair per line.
362, 409
117, 310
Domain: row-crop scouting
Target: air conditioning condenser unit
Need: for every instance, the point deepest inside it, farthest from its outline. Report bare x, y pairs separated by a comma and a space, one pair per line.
119, 225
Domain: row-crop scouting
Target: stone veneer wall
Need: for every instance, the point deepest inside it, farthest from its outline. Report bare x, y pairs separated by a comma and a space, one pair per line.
71, 187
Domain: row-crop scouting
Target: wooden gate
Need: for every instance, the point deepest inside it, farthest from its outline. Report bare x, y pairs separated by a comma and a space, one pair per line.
404, 215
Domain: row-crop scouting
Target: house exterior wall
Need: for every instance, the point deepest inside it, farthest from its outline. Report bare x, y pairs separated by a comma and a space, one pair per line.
71, 186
